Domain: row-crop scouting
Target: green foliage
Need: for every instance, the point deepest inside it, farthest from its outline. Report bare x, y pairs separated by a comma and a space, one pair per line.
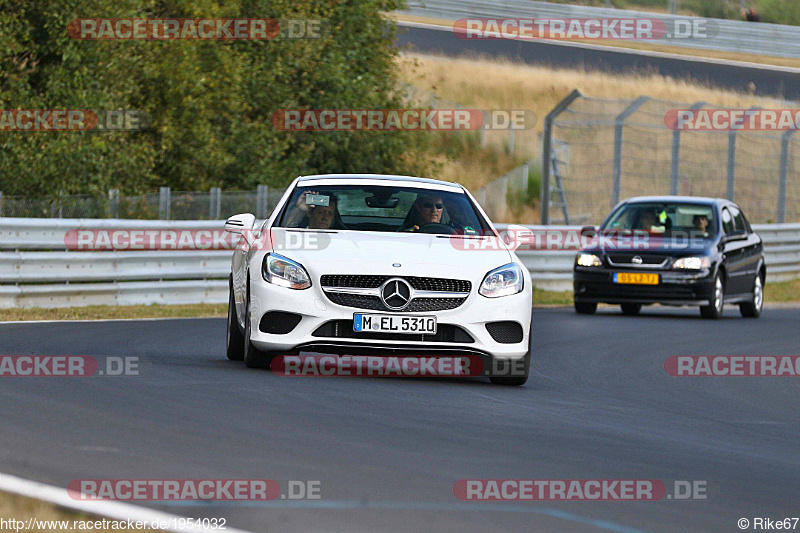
779, 11
210, 102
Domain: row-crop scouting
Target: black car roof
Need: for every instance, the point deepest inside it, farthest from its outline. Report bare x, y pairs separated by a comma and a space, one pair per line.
676, 200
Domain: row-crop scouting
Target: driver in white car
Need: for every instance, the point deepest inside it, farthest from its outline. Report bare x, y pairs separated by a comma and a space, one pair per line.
425, 210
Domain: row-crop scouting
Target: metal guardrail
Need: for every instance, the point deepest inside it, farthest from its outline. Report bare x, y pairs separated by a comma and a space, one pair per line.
732, 35
54, 277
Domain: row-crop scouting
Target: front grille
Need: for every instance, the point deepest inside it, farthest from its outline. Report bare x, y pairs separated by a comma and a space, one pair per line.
343, 329
506, 332
278, 322
647, 259
420, 304
417, 305
418, 283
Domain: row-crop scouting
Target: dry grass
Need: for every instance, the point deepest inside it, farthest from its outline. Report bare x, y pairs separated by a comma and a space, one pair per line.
497, 84
653, 47
784, 291
98, 312
21, 509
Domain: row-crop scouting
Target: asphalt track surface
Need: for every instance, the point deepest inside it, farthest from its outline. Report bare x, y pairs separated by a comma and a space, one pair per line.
767, 82
388, 451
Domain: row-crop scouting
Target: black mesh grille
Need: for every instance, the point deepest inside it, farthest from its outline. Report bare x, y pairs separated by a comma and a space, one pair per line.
278, 322
418, 283
647, 259
506, 332
373, 302
344, 329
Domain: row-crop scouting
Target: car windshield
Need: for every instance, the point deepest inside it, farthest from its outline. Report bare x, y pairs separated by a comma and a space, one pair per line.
381, 208
669, 219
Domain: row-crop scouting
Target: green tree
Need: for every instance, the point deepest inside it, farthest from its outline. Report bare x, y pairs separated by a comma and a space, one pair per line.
210, 102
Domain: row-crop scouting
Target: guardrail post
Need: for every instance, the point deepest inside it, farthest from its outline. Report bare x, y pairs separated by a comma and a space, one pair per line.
113, 203
619, 124
164, 201
675, 171
547, 146
786, 138
215, 204
262, 199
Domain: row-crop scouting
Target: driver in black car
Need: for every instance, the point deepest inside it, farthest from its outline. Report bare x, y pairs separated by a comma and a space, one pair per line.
427, 209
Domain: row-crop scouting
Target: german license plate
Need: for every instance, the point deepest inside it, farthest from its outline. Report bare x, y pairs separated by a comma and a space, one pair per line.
635, 278
394, 323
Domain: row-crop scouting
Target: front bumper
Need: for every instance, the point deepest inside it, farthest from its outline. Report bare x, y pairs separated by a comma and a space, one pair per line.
596, 285
327, 327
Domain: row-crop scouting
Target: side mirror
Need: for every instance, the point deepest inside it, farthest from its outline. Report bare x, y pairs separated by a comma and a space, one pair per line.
588, 231
240, 223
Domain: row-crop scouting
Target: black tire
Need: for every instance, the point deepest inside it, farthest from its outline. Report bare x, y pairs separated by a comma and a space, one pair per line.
234, 340
714, 311
753, 309
585, 308
631, 309
253, 357
514, 381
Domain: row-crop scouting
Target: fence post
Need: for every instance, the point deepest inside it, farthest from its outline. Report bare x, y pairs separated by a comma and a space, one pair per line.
262, 197
619, 124
164, 201
786, 138
547, 146
113, 203
730, 192
674, 177
483, 130
214, 203
523, 186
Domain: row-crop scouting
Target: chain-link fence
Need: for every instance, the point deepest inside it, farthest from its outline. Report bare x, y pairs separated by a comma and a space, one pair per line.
164, 205
603, 151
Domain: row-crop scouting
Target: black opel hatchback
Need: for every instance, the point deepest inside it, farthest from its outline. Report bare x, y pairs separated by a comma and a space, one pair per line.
671, 250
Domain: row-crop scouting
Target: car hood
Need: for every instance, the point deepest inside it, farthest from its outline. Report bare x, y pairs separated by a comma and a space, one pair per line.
652, 245
417, 254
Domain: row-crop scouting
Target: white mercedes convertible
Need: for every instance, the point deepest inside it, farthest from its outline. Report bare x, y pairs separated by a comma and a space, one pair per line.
355, 264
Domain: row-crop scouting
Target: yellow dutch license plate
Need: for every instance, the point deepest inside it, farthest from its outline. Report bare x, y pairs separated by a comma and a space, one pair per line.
635, 278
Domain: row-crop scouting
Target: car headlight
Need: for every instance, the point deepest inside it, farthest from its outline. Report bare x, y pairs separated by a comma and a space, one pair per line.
503, 281
692, 263
588, 260
284, 272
